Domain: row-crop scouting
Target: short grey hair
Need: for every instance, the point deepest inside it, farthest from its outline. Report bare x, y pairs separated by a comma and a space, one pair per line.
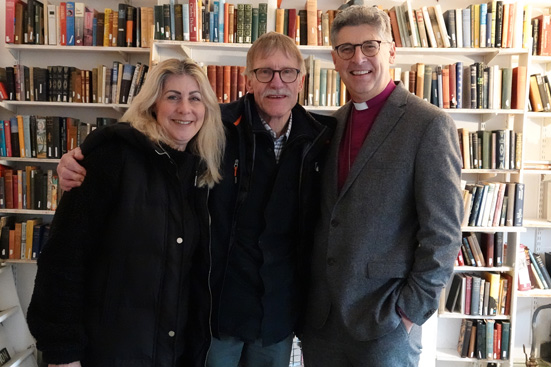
356, 15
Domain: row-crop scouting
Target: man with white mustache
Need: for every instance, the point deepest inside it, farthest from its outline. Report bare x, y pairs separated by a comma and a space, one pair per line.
262, 213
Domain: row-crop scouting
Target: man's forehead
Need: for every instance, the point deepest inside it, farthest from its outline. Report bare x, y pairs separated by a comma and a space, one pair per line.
277, 58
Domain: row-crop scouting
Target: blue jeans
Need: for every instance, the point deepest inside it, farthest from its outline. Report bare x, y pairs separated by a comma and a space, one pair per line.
231, 352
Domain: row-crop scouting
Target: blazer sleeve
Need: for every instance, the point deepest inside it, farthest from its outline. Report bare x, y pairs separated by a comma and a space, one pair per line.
55, 314
439, 204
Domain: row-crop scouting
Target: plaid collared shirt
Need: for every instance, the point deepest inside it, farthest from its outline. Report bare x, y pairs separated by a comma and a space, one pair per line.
279, 143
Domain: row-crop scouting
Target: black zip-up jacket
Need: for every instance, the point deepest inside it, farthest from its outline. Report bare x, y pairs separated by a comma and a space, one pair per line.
113, 281
311, 135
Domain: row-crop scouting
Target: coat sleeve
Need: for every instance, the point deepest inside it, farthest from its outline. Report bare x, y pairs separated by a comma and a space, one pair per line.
439, 207
55, 314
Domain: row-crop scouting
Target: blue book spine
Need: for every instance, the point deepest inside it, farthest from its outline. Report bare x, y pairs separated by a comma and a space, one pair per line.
467, 28
483, 16
459, 83
221, 21
214, 24
70, 23
95, 32
185, 20
3, 151
211, 28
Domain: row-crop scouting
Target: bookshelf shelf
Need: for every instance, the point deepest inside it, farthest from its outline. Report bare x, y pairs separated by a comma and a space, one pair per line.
30, 160
493, 229
10, 105
123, 51
541, 59
537, 223
482, 268
18, 358
491, 171
538, 293
27, 211
5, 314
9, 261
456, 315
539, 114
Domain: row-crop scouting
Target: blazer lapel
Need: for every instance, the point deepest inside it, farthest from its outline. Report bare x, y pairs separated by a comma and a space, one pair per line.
330, 181
388, 117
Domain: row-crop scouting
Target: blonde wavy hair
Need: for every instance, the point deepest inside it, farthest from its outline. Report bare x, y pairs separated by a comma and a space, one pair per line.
209, 143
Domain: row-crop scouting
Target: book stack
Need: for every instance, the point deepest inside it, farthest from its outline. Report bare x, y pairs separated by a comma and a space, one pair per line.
539, 93
488, 249
76, 24
490, 149
480, 294
484, 339
539, 32
29, 188
300, 23
22, 240
30, 136
533, 269
116, 85
493, 204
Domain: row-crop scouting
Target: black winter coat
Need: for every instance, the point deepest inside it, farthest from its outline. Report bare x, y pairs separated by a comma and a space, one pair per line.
113, 281
311, 133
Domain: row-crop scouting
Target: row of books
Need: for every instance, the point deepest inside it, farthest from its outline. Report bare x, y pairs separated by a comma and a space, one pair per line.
22, 240
488, 251
533, 270
76, 24
478, 25
480, 294
31, 136
475, 86
103, 84
540, 32
540, 92
323, 85
228, 82
493, 204
490, 149
30, 188
484, 339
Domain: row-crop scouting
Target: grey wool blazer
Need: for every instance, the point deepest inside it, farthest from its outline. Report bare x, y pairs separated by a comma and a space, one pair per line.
390, 236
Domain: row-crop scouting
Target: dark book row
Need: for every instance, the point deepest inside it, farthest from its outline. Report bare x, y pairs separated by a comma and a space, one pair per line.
494, 204
22, 240
103, 84
30, 188
484, 339
480, 294
487, 249
30, 136
490, 149
228, 82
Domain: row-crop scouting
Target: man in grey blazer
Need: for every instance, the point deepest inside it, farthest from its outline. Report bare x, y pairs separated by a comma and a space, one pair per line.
391, 210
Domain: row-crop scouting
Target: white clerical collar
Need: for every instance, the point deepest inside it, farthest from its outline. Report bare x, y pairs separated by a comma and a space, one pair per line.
360, 106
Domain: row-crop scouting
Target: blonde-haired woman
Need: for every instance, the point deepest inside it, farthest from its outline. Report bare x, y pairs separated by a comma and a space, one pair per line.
113, 282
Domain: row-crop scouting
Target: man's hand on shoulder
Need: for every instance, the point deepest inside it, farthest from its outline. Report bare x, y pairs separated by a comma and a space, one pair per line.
71, 173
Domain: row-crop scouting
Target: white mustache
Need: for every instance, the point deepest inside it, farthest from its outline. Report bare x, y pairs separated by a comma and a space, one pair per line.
269, 92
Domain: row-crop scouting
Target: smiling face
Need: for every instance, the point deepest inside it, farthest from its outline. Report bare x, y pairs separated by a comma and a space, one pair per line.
365, 77
180, 110
276, 98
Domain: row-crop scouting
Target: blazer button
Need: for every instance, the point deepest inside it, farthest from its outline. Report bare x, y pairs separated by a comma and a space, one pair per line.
334, 223
331, 261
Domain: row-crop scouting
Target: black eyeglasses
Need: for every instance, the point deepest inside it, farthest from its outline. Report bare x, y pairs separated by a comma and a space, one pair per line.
369, 48
287, 75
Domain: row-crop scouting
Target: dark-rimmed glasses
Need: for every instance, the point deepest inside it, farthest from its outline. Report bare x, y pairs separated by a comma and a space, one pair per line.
369, 48
266, 75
